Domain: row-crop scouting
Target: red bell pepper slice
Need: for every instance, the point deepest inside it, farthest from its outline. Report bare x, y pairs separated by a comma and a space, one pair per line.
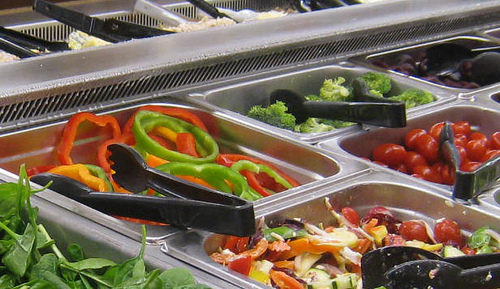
71, 129
228, 159
39, 169
186, 144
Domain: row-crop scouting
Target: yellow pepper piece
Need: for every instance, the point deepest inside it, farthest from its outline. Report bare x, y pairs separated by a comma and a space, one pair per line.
166, 133
82, 174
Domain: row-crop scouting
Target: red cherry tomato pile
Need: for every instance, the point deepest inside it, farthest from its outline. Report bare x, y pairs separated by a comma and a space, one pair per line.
420, 156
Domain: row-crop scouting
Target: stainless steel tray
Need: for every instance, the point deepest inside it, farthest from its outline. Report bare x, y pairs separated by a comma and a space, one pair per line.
394, 58
310, 166
406, 198
66, 227
238, 97
476, 108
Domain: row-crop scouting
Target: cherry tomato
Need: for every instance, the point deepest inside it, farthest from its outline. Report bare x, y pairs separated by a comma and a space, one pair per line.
401, 168
428, 147
351, 215
390, 154
470, 166
411, 137
461, 140
435, 130
446, 172
463, 154
411, 230
462, 127
478, 136
490, 154
414, 159
495, 140
428, 173
476, 149
448, 232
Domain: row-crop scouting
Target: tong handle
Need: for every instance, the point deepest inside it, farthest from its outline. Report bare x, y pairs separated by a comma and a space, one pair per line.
131, 30
31, 42
209, 9
111, 30
77, 20
380, 114
182, 213
219, 218
13, 48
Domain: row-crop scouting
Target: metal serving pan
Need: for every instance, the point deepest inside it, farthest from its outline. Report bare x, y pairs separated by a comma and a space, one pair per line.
392, 60
406, 198
476, 108
66, 227
309, 165
239, 97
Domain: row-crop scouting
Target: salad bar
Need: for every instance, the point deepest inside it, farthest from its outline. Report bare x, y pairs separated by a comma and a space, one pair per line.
250, 144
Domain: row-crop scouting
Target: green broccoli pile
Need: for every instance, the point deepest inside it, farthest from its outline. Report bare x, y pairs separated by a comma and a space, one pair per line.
336, 89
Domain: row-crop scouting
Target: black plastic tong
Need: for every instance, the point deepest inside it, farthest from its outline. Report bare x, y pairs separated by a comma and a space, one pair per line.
186, 205
111, 30
366, 108
25, 46
400, 267
468, 185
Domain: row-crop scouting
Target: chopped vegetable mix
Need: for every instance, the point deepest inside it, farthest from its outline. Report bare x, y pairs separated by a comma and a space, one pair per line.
30, 257
297, 254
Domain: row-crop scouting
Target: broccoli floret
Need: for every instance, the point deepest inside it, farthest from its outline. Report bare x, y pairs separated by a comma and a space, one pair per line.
275, 114
312, 125
414, 97
378, 82
333, 90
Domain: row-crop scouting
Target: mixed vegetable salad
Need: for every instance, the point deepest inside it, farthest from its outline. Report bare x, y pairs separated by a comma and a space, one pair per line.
336, 89
299, 254
420, 156
173, 140
30, 258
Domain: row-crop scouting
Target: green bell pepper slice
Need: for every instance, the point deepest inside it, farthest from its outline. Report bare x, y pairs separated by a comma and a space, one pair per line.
215, 175
145, 121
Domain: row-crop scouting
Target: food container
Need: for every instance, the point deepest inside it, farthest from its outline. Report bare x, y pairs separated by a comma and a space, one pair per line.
411, 60
478, 109
66, 226
309, 165
237, 99
406, 198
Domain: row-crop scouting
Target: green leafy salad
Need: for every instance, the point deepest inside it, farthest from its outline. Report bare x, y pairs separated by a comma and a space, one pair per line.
30, 258
336, 89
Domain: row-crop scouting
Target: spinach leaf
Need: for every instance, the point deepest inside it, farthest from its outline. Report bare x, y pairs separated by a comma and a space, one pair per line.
18, 257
